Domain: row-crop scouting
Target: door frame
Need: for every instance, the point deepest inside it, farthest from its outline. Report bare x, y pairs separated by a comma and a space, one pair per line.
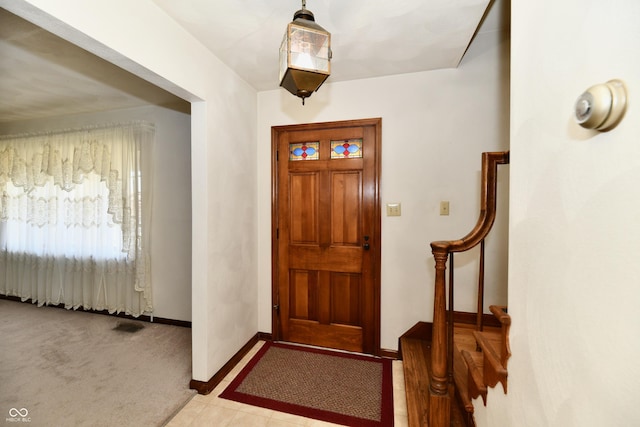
376, 248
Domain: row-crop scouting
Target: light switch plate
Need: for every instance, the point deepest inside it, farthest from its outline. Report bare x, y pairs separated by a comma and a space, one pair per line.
444, 207
394, 209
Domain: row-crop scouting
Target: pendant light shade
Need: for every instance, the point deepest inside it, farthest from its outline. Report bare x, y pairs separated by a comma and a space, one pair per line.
305, 55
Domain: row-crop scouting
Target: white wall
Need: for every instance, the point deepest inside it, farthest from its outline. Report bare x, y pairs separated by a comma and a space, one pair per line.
171, 210
435, 125
574, 228
146, 42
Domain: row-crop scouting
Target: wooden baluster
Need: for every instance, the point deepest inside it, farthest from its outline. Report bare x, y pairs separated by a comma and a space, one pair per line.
450, 322
479, 318
439, 401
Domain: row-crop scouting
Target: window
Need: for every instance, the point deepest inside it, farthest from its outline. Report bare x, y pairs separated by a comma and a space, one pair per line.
50, 221
74, 223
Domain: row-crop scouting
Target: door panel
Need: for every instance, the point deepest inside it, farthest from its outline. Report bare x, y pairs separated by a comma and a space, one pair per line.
304, 208
303, 294
326, 284
345, 298
346, 196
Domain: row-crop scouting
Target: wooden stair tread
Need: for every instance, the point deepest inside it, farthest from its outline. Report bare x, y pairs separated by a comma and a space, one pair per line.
415, 349
495, 336
475, 378
493, 370
416, 358
463, 338
464, 341
460, 376
488, 346
492, 339
471, 384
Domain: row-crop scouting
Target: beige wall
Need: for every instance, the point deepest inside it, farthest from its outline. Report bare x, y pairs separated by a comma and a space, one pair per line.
435, 125
574, 228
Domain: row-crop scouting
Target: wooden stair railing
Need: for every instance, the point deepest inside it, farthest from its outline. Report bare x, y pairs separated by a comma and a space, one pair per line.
494, 364
441, 374
486, 366
480, 361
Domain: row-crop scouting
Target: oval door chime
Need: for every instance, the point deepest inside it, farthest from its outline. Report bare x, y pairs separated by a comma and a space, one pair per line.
602, 106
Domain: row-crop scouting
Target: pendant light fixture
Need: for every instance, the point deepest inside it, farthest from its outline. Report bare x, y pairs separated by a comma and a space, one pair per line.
305, 55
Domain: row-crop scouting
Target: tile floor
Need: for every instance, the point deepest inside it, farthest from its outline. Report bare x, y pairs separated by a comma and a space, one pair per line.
210, 410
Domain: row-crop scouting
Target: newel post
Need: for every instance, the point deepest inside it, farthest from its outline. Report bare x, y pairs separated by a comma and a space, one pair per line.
439, 399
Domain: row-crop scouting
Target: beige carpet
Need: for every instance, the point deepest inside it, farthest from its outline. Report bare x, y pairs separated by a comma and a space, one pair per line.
74, 368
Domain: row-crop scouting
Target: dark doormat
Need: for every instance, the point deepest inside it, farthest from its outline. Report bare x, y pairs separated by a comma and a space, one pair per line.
342, 388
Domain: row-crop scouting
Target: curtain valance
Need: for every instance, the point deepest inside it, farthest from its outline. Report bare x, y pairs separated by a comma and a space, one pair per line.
113, 152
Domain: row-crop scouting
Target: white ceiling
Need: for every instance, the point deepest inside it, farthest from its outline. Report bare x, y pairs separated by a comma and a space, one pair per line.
42, 75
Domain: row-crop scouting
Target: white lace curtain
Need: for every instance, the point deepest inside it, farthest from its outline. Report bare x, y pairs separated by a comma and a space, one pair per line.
75, 217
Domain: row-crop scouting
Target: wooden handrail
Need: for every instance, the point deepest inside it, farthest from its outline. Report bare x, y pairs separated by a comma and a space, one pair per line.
439, 396
490, 162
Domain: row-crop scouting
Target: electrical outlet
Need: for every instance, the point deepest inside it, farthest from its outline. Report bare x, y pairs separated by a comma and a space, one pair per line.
444, 207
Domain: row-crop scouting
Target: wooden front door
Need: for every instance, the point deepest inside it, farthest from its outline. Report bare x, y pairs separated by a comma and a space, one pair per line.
326, 234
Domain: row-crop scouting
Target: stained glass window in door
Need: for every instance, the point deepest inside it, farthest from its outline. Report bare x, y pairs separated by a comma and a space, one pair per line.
346, 149
304, 151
